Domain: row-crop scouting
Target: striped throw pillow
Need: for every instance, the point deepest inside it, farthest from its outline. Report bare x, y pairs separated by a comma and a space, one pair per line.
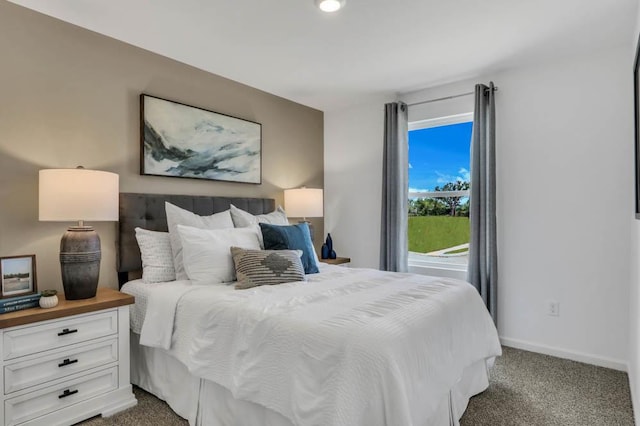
266, 267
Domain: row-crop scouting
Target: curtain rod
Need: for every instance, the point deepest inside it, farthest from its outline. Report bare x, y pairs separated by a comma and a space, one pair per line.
495, 88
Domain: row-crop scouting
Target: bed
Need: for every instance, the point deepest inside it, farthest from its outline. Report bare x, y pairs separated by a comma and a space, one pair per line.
347, 347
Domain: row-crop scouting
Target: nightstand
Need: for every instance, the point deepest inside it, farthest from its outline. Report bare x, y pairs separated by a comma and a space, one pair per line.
344, 261
68, 363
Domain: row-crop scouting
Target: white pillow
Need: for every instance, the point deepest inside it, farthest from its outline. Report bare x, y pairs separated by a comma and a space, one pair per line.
242, 219
177, 216
207, 253
156, 254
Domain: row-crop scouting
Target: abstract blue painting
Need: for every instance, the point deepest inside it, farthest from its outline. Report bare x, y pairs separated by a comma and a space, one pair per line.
183, 141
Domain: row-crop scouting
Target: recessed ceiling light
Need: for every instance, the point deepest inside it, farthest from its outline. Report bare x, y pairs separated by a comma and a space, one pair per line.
330, 5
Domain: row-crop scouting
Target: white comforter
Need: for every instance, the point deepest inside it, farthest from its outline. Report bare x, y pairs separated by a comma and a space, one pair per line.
348, 347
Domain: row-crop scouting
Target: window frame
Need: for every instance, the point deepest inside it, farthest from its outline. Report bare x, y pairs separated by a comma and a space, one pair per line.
431, 267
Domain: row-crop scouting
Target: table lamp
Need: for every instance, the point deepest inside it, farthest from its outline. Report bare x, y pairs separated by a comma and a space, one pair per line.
304, 202
79, 194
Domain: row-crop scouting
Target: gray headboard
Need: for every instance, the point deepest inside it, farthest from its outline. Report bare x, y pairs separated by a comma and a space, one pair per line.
147, 211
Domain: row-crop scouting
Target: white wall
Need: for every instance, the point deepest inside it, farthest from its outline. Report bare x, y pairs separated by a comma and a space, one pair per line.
353, 179
634, 320
565, 172
564, 183
634, 291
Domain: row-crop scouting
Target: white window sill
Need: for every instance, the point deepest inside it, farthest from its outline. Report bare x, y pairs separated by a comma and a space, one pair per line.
438, 272
439, 267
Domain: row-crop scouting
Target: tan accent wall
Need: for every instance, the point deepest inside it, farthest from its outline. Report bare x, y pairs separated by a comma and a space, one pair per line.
69, 97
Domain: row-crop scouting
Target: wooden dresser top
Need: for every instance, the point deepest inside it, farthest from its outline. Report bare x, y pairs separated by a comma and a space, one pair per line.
105, 298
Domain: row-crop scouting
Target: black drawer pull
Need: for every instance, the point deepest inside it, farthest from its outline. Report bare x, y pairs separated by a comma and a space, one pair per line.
67, 331
67, 393
67, 361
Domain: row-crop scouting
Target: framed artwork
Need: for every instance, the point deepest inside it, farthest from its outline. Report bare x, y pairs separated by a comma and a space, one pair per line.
178, 140
18, 275
636, 114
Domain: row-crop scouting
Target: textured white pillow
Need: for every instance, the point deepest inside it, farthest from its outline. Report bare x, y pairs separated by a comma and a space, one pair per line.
156, 254
177, 216
242, 219
207, 255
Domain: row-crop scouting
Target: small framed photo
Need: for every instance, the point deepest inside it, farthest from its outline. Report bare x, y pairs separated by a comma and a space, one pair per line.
18, 275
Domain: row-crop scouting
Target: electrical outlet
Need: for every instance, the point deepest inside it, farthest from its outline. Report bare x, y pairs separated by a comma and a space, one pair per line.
553, 308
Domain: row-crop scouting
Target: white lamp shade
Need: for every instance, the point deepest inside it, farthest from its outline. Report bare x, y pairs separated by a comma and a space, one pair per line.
78, 194
303, 202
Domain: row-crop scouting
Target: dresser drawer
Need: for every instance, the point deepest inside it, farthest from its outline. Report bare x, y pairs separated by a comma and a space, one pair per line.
31, 405
55, 334
43, 369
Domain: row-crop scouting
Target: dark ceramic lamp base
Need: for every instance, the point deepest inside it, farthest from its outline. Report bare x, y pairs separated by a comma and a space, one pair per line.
80, 262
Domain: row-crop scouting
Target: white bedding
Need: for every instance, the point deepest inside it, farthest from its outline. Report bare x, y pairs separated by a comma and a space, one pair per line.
142, 292
348, 347
205, 403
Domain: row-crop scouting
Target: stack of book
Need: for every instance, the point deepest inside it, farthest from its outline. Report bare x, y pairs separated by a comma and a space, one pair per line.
12, 304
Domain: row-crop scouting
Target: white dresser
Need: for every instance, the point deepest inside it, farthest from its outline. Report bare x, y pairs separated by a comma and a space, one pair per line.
68, 363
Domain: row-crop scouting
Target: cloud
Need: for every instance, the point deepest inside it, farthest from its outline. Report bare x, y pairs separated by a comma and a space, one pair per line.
462, 176
419, 190
465, 174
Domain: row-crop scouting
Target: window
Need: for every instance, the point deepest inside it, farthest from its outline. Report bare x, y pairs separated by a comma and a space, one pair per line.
439, 157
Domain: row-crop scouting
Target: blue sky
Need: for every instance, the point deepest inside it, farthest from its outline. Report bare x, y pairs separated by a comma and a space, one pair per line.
13, 266
438, 155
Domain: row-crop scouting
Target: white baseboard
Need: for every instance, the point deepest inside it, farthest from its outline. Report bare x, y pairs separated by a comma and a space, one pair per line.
634, 400
566, 354
120, 400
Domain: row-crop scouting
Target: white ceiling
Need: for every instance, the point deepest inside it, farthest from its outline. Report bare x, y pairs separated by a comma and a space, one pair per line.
327, 61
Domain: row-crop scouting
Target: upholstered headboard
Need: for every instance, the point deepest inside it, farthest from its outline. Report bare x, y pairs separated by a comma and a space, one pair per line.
147, 211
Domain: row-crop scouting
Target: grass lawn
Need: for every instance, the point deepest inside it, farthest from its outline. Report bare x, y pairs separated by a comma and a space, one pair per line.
429, 233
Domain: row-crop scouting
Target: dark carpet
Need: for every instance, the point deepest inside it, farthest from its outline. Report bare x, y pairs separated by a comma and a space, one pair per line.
150, 411
532, 389
527, 389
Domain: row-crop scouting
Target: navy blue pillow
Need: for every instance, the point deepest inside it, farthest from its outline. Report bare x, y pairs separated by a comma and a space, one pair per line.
293, 237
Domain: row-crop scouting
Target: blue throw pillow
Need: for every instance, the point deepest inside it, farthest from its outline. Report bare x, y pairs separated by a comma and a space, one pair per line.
293, 237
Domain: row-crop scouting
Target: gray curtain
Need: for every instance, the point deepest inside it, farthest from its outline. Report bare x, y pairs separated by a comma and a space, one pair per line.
483, 259
394, 243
